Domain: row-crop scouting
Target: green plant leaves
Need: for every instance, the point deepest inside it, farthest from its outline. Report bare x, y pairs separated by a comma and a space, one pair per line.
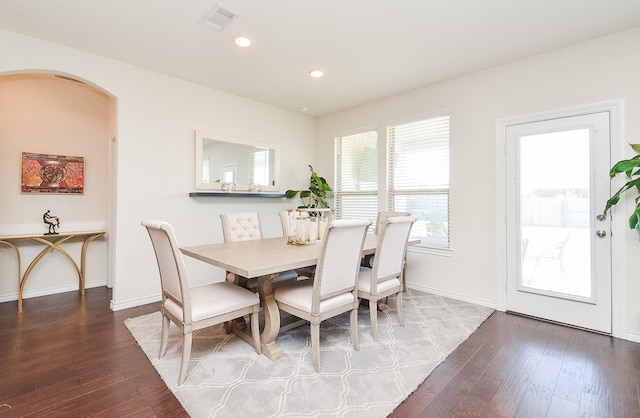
626, 166
631, 168
316, 195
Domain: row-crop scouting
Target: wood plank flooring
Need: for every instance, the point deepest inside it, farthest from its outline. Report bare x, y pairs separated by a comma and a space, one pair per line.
520, 367
73, 357
65, 356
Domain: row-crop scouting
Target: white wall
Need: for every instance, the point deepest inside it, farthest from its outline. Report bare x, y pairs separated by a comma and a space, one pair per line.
603, 69
156, 117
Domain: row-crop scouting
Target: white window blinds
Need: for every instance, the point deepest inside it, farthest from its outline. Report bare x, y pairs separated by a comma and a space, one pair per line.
259, 167
418, 170
356, 188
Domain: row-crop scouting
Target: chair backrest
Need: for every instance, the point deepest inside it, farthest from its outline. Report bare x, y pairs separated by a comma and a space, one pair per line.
170, 264
392, 246
339, 261
240, 226
382, 216
289, 227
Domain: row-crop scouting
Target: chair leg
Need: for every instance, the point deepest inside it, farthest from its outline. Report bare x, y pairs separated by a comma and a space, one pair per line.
186, 353
373, 313
255, 331
315, 345
399, 307
164, 336
354, 329
403, 279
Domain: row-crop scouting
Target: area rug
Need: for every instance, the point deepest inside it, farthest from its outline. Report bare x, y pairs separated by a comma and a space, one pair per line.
226, 377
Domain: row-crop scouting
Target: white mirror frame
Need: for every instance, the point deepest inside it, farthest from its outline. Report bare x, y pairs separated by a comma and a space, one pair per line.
200, 136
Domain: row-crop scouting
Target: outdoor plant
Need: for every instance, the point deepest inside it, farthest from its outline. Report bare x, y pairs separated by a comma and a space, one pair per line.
631, 168
316, 195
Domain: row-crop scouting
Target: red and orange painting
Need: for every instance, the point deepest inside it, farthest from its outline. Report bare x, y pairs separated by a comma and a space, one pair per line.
45, 173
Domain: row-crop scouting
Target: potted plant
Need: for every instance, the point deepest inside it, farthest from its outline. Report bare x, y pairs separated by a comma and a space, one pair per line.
631, 168
316, 195
308, 226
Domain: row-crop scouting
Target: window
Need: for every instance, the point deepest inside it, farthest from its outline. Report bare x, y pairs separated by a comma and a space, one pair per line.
418, 170
259, 167
205, 170
356, 185
415, 177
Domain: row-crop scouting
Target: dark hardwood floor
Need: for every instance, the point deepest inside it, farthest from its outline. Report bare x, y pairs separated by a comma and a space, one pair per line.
73, 357
65, 356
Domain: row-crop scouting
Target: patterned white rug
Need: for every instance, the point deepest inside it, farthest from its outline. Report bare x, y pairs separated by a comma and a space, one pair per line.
226, 378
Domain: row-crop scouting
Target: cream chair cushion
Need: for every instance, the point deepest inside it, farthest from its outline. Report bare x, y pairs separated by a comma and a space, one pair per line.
364, 282
300, 295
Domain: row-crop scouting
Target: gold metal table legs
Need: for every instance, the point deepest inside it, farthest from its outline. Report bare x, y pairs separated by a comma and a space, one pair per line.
50, 245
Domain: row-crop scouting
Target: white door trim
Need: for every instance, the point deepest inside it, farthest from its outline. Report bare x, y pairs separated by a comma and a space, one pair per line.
618, 257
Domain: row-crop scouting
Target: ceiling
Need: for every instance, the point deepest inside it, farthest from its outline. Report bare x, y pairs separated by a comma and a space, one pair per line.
369, 49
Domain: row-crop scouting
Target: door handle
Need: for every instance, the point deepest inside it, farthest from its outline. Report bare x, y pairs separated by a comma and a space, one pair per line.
601, 233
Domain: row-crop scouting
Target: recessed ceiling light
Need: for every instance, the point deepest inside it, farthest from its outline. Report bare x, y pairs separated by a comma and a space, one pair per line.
242, 41
316, 73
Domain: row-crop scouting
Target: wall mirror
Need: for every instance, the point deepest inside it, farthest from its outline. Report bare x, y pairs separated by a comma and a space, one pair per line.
227, 164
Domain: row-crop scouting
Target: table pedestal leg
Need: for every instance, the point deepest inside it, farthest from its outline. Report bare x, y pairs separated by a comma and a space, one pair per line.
270, 347
240, 328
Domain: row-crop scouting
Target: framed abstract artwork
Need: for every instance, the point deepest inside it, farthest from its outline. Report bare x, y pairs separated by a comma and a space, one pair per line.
45, 173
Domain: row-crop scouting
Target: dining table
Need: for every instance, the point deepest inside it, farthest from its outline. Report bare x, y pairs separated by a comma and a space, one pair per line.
263, 259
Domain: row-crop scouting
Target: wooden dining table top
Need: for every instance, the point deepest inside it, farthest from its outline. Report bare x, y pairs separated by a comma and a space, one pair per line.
255, 258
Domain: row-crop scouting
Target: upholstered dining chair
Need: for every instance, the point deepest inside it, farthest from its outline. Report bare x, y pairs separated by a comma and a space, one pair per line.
284, 221
241, 226
382, 216
199, 307
333, 291
386, 276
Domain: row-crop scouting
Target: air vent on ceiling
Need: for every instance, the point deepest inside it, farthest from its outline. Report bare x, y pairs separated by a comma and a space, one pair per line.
219, 18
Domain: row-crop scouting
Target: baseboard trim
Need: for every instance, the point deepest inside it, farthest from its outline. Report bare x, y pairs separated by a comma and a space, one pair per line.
455, 296
132, 303
51, 291
633, 336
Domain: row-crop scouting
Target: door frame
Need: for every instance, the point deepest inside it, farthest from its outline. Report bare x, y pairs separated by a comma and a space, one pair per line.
618, 256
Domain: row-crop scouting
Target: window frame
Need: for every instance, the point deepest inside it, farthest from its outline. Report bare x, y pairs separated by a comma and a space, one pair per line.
385, 197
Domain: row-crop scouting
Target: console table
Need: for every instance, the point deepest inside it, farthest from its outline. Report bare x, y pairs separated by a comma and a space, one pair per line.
51, 242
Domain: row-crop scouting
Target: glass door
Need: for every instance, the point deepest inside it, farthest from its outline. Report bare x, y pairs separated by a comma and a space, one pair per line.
559, 261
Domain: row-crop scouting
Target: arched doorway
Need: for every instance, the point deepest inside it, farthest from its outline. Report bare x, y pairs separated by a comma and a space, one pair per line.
53, 113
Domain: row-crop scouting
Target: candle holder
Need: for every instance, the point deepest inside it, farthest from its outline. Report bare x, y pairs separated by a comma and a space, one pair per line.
307, 225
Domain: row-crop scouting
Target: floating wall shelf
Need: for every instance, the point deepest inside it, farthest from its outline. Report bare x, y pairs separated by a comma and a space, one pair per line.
237, 194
